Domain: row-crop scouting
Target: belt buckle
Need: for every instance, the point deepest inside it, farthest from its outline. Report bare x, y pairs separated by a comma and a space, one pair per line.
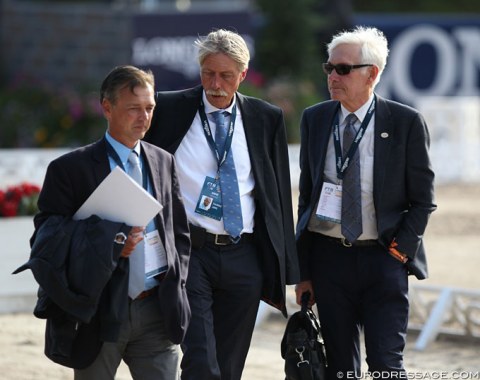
217, 242
346, 243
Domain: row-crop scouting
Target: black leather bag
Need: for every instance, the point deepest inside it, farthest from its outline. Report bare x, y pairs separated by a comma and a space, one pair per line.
302, 346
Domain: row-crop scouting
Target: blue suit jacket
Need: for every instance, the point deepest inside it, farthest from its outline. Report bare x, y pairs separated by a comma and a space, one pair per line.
402, 183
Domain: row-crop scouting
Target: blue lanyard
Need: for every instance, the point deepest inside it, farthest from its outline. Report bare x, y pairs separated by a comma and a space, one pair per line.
342, 164
208, 135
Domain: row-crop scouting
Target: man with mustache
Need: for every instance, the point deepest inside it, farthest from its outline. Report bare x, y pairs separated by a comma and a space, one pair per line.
243, 247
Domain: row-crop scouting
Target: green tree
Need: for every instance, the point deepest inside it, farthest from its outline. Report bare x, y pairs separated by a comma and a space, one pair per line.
286, 45
287, 56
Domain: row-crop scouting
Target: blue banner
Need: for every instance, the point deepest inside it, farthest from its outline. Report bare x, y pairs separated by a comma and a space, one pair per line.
429, 56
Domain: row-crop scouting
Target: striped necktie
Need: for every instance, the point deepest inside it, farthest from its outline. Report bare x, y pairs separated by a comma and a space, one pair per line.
352, 192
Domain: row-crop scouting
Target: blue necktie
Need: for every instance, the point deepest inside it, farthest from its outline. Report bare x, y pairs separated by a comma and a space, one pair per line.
232, 210
136, 279
352, 192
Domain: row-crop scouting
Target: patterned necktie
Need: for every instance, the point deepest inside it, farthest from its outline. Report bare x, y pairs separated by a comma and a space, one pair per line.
232, 210
352, 192
136, 279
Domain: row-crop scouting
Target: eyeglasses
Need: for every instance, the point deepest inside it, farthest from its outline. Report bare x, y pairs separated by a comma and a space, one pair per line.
341, 68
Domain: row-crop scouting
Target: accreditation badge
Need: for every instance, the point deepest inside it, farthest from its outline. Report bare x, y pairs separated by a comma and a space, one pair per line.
155, 255
209, 203
330, 203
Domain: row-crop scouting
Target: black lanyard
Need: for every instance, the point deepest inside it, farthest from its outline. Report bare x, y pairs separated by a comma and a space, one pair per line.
342, 163
112, 153
208, 134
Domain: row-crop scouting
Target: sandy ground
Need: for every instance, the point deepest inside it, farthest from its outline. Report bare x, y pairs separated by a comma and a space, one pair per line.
452, 244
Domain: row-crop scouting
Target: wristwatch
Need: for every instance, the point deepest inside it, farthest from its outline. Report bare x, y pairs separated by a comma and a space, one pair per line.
120, 238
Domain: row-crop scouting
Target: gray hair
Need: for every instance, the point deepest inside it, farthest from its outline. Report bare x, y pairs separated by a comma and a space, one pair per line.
225, 42
372, 42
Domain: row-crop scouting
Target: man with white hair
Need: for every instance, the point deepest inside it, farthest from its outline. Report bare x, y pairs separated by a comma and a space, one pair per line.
366, 193
232, 149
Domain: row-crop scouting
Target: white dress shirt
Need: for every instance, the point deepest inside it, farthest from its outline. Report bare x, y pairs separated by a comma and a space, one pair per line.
366, 151
195, 161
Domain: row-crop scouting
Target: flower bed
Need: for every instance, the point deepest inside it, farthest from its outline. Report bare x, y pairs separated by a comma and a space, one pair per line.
19, 200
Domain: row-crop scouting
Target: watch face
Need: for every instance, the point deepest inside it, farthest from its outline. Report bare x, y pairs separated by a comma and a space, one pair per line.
120, 238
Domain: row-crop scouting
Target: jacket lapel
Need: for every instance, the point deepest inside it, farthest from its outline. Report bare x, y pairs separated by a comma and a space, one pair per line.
153, 163
382, 146
153, 168
252, 124
320, 131
183, 117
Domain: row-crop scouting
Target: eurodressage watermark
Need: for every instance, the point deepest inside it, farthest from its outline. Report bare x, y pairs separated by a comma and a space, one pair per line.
418, 375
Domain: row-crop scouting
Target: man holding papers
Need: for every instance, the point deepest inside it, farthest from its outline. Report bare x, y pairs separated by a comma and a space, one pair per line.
141, 313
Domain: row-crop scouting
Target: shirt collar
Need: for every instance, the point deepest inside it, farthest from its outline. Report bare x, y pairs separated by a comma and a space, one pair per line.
209, 108
122, 150
360, 113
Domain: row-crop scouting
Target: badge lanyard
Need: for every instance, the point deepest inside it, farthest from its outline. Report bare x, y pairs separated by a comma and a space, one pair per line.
208, 135
342, 164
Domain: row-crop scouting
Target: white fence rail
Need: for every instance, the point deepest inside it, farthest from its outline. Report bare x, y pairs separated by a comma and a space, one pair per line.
443, 310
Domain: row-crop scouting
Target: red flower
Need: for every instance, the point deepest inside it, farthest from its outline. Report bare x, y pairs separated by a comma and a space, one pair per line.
9, 208
19, 200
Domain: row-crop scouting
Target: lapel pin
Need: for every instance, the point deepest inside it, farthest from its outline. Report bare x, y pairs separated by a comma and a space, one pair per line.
384, 135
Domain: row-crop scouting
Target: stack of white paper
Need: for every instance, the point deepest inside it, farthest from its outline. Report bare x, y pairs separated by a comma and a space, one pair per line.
120, 199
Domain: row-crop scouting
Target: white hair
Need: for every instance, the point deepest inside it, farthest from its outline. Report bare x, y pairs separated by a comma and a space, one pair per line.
372, 42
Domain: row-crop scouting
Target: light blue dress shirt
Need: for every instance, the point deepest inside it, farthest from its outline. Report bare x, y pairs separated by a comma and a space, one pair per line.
123, 153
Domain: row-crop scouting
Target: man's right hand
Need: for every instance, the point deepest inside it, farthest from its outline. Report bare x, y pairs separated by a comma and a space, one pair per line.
303, 287
134, 237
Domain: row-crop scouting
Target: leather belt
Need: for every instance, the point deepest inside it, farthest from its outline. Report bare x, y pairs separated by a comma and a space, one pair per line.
146, 293
344, 242
226, 239
200, 236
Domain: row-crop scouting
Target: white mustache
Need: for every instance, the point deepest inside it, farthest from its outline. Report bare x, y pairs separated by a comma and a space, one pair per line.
216, 93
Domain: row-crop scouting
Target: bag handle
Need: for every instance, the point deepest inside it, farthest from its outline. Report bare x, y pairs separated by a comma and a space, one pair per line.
304, 300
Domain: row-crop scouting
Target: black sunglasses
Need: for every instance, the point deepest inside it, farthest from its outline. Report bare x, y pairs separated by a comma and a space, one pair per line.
341, 68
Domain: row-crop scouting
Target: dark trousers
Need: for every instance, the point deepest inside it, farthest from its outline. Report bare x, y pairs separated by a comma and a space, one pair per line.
355, 288
143, 345
224, 287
